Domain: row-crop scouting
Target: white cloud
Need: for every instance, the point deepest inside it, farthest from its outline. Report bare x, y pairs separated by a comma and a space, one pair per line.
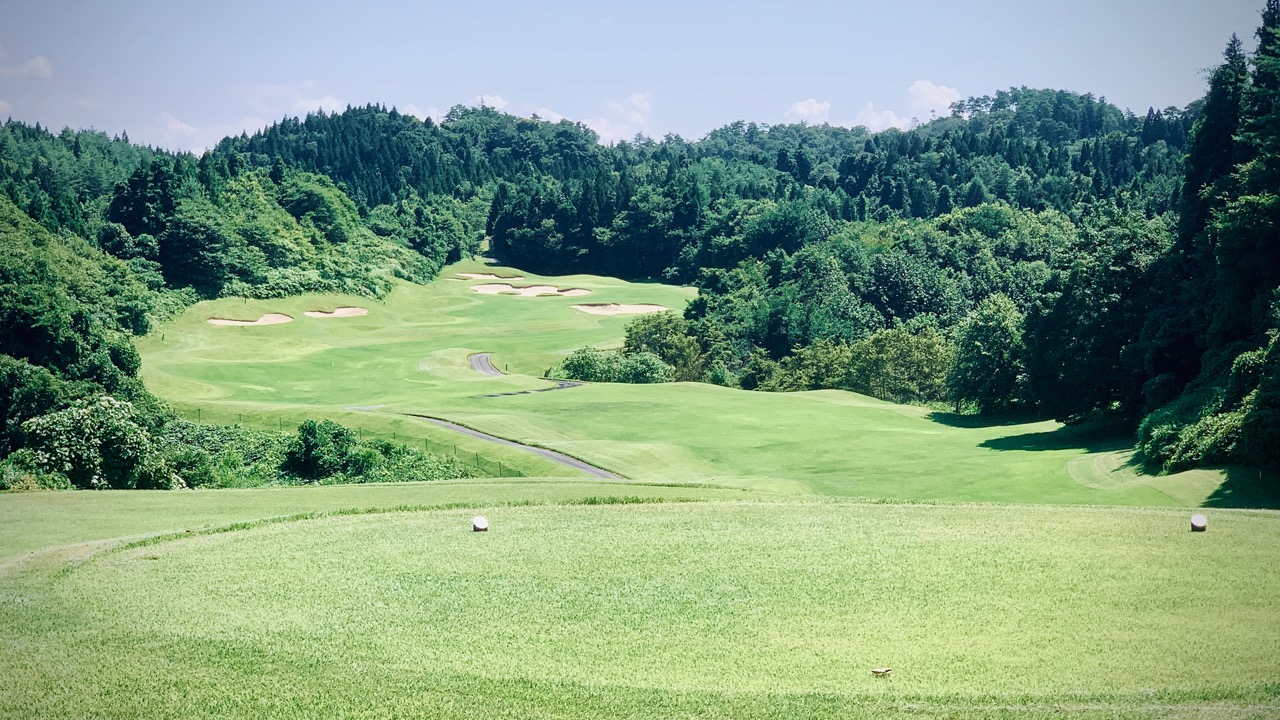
494, 101
626, 119
810, 111
172, 133
432, 112
176, 134
275, 100
327, 103
548, 114
926, 98
5, 107
36, 67
877, 120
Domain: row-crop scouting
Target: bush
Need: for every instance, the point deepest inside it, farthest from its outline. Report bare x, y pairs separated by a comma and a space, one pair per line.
21, 471
319, 450
97, 443
591, 365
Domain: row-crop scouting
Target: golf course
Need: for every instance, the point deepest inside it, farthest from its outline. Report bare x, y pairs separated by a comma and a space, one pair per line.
745, 554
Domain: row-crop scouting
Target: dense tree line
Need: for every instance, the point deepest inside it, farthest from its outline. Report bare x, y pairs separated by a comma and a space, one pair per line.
1035, 251
1154, 307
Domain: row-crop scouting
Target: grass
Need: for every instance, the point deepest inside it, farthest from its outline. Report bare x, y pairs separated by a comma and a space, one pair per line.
705, 609
409, 355
1003, 571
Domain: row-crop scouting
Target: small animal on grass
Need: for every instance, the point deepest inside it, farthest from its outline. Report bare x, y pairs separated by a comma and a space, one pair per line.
881, 672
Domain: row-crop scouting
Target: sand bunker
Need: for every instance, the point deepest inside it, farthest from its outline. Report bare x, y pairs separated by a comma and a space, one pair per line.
338, 312
268, 319
616, 309
487, 276
527, 290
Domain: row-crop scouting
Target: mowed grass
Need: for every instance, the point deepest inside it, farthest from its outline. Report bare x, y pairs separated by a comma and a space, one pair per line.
409, 356
705, 609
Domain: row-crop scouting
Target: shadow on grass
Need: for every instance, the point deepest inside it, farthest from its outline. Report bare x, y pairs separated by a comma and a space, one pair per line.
1093, 437
1060, 439
1247, 488
957, 420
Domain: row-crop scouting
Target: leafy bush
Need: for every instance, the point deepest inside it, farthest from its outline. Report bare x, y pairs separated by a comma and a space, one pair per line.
97, 443
595, 365
21, 471
319, 450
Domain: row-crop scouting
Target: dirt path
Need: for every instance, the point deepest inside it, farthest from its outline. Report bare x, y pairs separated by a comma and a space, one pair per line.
551, 455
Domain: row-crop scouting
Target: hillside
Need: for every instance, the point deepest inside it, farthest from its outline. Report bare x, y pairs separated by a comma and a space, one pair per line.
1036, 252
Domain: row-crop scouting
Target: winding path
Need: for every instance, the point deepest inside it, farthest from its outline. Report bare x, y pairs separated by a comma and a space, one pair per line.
551, 455
483, 364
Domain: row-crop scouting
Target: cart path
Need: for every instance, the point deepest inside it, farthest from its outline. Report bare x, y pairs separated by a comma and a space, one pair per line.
483, 364
551, 455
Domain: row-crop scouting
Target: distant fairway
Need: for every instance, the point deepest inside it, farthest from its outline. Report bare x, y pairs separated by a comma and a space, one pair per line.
410, 356
703, 609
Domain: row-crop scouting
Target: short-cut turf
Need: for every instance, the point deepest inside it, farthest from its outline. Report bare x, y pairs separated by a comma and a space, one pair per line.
409, 356
709, 609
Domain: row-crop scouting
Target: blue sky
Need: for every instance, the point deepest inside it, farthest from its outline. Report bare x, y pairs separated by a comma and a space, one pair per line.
182, 75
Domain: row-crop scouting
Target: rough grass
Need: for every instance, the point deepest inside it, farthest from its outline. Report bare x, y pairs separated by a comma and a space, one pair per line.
409, 355
710, 609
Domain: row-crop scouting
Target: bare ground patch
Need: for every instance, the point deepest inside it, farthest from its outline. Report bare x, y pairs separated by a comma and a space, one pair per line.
268, 319
338, 312
488, 276
619, 309
527, 290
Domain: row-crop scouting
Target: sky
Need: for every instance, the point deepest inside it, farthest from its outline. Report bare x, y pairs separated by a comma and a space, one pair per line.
182, 75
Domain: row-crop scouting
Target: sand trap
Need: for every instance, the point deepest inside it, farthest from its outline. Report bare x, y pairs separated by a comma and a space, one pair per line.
616, 309
338, 312
268, 319
527, 290
487, 276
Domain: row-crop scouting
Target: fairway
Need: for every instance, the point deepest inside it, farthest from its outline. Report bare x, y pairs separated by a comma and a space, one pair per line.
410, 356
703, 609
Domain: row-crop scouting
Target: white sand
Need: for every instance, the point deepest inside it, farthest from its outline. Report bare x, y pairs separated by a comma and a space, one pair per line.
617, 309
338, 312
527, 291
268, 319
487, 276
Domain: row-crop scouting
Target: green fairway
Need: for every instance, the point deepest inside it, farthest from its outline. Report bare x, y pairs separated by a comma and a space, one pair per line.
409, 356
709, 609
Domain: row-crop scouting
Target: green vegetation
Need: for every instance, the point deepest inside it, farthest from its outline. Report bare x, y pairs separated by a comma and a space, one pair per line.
408, 355
1035, 254
709, 609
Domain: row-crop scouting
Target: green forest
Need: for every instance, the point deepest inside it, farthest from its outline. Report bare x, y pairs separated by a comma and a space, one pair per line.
1036, 253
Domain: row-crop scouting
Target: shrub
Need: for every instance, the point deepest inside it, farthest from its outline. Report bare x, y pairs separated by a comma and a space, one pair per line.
319, 450
21, 471
97, 443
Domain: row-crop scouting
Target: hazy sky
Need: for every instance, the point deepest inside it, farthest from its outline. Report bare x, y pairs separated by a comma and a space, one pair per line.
183, 74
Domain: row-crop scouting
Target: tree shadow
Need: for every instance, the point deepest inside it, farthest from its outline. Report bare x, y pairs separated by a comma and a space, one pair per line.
1064, 438
957, 420
1247, 488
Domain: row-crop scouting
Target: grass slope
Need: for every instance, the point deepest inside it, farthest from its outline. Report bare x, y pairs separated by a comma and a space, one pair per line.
409, 355
709, 609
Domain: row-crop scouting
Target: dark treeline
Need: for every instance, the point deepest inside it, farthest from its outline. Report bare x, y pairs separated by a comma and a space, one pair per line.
1036, 251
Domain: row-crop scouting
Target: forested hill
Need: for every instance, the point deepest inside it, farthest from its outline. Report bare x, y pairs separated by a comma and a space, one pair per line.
647, 208
1037, 251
